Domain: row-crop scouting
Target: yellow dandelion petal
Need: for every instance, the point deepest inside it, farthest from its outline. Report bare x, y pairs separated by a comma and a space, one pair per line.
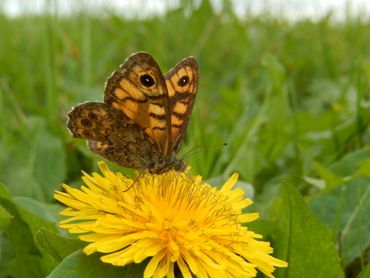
185, 271
191, 261
171, 272
208, 261
248, 217
153, 264
146, 248
65, 198
230, 182
171, 218
94, 237
240, 204
119, 258
164, 267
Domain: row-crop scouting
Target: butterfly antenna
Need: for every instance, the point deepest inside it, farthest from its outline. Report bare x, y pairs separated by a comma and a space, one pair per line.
190, 152
198, 148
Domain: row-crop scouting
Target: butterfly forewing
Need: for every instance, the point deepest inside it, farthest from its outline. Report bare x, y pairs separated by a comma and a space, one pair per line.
182, 85
139, 91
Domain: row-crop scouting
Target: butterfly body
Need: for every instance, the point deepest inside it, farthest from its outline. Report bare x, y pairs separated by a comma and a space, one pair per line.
143, 117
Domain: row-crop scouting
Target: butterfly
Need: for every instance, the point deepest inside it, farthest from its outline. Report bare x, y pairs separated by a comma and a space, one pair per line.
144, 115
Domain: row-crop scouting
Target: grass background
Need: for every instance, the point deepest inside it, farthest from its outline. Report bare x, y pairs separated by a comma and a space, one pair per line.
290, 99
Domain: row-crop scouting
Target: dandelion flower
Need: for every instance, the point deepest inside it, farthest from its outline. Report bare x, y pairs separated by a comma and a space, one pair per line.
179, 222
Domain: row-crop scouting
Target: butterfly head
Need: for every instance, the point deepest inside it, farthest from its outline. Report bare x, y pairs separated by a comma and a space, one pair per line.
164, 165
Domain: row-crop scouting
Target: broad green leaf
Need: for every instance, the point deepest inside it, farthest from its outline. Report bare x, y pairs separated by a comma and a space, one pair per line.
318, 183
34, 263
79, 265
35, 207
351, 163
346, 210
4, 192
363, 168
32, 160
57, 246
20, 234
5, 218
331, 179
35, 222
303, 241
365, 273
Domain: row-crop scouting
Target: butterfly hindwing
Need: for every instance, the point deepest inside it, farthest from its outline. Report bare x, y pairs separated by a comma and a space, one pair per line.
112, 135
139, 90
182, 85
91, 121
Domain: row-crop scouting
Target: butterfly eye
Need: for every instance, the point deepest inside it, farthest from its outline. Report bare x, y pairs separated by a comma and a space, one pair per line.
147, 80
86, 123
183, 81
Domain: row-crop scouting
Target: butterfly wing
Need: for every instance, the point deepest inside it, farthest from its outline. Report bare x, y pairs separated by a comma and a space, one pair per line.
112, 135
91, 121
182, 85
139, 91
133, 126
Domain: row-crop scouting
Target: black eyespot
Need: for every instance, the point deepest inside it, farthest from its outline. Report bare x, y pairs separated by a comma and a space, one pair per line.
92, 116
147, 80
183, 81
86, 123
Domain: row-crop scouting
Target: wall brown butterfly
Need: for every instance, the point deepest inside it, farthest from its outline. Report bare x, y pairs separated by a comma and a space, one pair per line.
144, 115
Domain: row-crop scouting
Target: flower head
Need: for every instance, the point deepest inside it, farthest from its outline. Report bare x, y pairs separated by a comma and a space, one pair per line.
176, 220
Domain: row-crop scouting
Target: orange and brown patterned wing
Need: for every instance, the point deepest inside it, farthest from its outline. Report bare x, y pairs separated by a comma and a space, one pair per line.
113, 135
91, 121
139, 90
182, 85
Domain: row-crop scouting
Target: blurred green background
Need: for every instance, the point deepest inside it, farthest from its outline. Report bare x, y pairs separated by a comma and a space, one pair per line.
291, 100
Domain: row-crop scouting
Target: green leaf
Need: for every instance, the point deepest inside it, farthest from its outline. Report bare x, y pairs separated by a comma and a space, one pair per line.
35, 207
20, 234
349, 163
35, 222
275, 69
26, 254
49, 170
32, 160
365, 273
79, 265
346, 210
57, 246
363, 168
303, 241
4, 192
331, 179
5, 218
